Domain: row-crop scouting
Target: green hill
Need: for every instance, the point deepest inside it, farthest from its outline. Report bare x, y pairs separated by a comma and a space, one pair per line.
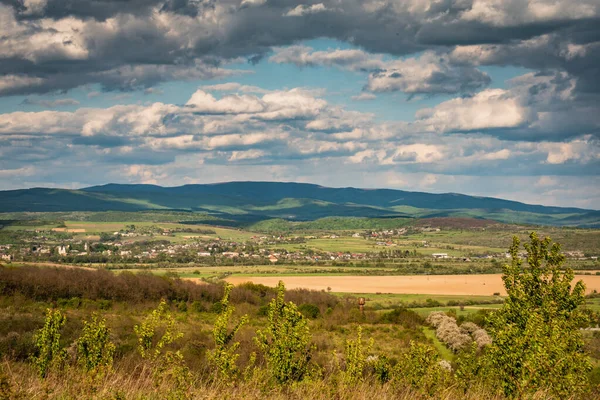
250, 202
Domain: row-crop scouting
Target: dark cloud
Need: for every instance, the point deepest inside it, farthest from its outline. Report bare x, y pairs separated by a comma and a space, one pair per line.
50, 103
134, 44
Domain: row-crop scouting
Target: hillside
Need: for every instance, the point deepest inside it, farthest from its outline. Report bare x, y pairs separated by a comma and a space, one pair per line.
257, 201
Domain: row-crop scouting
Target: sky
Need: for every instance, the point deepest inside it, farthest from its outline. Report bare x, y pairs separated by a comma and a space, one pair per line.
496, 98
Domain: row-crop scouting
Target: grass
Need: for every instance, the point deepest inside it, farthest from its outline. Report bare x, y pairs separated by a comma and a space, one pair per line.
444, 352
467, 311
388, 300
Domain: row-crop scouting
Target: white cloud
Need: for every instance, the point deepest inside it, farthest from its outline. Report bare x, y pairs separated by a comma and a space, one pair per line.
503, 154
429, 73
491, 108
364, 96
419, 152
511, 13
304, 9
234, 87
352, 59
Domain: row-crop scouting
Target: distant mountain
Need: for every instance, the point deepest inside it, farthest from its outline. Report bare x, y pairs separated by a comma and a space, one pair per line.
253, 201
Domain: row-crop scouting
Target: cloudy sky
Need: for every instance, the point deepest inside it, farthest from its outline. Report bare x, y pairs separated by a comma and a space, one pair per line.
486, 97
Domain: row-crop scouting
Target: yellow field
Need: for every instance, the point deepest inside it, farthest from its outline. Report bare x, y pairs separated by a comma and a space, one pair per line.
431, 284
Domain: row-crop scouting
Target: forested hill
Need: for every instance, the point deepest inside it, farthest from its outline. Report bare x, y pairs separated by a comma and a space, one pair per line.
292, 201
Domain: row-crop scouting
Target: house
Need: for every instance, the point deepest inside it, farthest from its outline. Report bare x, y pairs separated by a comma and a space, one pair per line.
439, 255
273, 259
62, 250
6, 257
203, 254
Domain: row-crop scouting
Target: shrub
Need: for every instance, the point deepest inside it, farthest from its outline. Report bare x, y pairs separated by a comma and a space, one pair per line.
47, 343
309, 310
448, 332
403, 316
468, 367
224, 356
356, 355
419, 368
285, 341
155, 333
150, 345
94, 348
468, 327
435, 318
481, 337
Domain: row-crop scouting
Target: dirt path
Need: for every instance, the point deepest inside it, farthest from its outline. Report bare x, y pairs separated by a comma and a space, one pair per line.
485, 285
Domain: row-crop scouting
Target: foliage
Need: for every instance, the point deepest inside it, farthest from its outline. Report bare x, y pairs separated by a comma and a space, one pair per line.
155, 333
224, 356
51, 284
448, 331
309, 310
469, 367
420, 368
47, 342
285, 341
536, 340
95, 351
151, 340
356, 357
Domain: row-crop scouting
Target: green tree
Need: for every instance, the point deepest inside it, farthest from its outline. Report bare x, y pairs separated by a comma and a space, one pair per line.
47, 343
94, 348
420, 368
156, 332
536, 344
356, 358
285, 341
224, 355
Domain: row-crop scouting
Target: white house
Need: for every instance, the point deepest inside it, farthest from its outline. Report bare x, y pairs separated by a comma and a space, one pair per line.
439, 255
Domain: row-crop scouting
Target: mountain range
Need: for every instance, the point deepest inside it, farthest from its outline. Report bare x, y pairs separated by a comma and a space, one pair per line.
256, 201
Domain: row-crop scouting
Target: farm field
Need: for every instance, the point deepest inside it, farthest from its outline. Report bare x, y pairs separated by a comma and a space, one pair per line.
433, 284
93, 227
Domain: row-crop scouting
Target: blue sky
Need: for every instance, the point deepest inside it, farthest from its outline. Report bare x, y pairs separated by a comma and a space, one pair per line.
470, 97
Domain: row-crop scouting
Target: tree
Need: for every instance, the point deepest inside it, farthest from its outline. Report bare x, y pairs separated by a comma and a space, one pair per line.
285, 341
95, 351
536, 340
356, 358
224, 356
47, 342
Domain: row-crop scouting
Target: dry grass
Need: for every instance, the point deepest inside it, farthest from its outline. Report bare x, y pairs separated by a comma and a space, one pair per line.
128, 381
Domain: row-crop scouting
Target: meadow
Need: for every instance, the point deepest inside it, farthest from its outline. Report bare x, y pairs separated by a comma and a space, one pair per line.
325, 271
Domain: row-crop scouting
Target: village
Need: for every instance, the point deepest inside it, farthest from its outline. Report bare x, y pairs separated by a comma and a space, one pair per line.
155, 244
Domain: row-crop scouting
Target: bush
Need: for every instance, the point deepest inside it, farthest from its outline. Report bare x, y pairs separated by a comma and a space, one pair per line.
419, 368
285, 341
309, 310
356, 355
151, 341
402, 316
94, 348
47, 342
224, 355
